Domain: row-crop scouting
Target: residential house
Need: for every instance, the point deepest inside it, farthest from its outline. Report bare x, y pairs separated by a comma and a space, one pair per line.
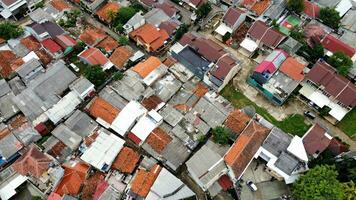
66, 42
106, 12
52, 48
81, 124
166, 87
134, 23
9, 63
311, 9
82, 87
236, 121
40, 16
276, 9
148, 36
9, 146
256, 7
285, 155
103, 112
150, 70
109, 44
30, 70
193, 4
156, 16
14, 8
260, 36
170, 27
44, 30
32, 163
316, 140
347, 21
121, 56
169, 9
68, 137
8, 108
92, 36
10, 181
126, 161
103, 151
324, 87
333, 45
91, 6
93, 56
232, 19
277, 76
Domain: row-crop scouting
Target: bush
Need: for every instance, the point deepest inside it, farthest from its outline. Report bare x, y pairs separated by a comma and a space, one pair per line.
203, 10
10, 30
118, 76
221, 135
226, 37
123, 40
341, 62
95, 74
183, 28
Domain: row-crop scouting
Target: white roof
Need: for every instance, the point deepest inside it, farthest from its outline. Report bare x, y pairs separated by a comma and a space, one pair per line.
155, 74
64, 107
249, 44
6, 13
146, 124
296, 147
343, 7
168, 187
319, 99
29, 56
108, 65
103, 150
307, 90
127, 117
137, 55
337, 111
223, 29
8, 190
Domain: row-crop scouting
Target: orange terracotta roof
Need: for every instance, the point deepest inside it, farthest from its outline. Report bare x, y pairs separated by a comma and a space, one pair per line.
103, 12
45, 58
248, 3
182, 107
169, 61
90, 185
149, 35
17, 122
16, 64
158, 140
4, 132
237, 121
7, 57
245, 147
143, 181
33, 162
109, 44
260, 6
73, 179
292, 68
60, 5
151, 102
126, 160
145, 67
104, 110
30, 43
120, 56
200, 89
92, 36
90, 139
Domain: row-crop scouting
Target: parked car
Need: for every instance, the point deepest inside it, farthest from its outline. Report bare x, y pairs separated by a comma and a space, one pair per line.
252, 186
310, 114
74, 67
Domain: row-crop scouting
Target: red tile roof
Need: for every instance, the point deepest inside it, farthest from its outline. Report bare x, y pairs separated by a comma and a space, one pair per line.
334, 45
224, 66
33, 162
51, 45
109, 44
94, 56
126, 160
187, 38
311, 9
196, 3
90, 185
336, 85
143, 181
314, 33
121, 55
134, 138
65, 41
100, 189
60, 5
208, 49
151, 102
169, 26
200, 90
54, 196
103, 12
45, 58
260, 6
56, 150
104, 110
2, 40
225, 182
7, 58
248, 3
91, 36
268, 35
73, 179
315, 141
149, 35
237, 121
242, 151
169, 61
158, 140
30, 43
144, 68
337, 147
292, 68
232, 15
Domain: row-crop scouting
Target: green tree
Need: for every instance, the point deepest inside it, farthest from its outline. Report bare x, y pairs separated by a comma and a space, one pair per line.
10, 30
296, 5
123, 40
39, 4
297, 34
274, 24
221, 135
349, 190
330, 17
203, 10
118, 76
226, 37
95, 74
341, 62
314, 53
318, 183
36, 198
183, 28
123, 15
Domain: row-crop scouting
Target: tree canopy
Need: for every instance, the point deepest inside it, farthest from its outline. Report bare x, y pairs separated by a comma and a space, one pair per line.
203, 10
313, 53
330, 17
95, 74
221, 135
122, 16
349, 190
296, 5
123, 40
318, 183
341, 62
10, 30
183, 28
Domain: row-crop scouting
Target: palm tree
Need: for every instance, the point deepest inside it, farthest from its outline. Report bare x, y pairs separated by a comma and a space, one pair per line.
349, 190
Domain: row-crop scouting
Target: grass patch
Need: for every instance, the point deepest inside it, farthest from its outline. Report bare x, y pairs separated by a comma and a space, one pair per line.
293, 124
348, 123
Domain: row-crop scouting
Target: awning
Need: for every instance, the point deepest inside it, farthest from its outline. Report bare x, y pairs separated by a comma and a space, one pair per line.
249, 45
307, 90
223, 29
319, 99
337, 111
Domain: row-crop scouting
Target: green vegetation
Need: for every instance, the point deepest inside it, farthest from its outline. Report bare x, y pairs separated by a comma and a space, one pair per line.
226, 37
297, 33
221, 135
36, 198
40, 4
203, 10
10, 30
330, 17
312, 54
95, 74
349, 190
72, 18
183, 28
318, 183
341, 62
296, 5
347, 124
118, 76
293, 124
324, 111
123, 15
123, 40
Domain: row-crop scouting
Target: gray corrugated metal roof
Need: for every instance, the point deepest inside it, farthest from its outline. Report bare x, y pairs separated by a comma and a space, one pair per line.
171, 115
7, 106
277, 142
113, 98
156, 16
81, 123
287, 163
4, 87
68, 137
9, 145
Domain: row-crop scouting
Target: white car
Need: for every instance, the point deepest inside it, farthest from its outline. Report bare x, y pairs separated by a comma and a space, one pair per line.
74, 67
252, 186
